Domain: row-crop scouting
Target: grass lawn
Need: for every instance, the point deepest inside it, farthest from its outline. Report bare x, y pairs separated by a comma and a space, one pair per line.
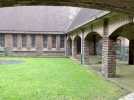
53, 79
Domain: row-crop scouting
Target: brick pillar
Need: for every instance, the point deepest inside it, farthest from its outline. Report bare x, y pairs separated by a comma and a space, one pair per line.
74, 49
39, 43
29, 41
69, 47
131, 52
49, 42
19, 41
8, 44
108, 54
86, 52
108, 57
58, 42
8, 41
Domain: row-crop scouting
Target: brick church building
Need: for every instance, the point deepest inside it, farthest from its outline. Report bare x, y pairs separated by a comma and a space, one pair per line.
76, 32
34, 30
39, 30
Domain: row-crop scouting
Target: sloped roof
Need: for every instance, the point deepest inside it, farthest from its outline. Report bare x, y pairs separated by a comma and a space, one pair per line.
84, 16
43, 18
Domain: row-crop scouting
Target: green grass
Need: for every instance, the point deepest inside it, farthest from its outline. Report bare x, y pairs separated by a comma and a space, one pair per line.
53, 79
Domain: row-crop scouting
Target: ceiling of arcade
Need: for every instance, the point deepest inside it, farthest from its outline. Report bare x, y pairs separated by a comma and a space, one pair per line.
126, 6
126, 31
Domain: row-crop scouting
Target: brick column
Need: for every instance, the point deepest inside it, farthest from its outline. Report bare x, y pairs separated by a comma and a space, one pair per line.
69, 47
131, 52
86, 52
49, 42
74, 52
29, 41
8, 41
39, 43
58, 42
19, 41
8, 44
108, 54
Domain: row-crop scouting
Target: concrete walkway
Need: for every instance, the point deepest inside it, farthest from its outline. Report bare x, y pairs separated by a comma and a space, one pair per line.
124, 78
125, 75
128, 97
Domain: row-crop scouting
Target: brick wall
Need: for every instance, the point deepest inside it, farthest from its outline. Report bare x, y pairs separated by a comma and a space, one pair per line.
38, 50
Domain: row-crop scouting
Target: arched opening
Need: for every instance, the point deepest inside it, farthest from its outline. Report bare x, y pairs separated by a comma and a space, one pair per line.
122, 49
93, 43
125, 35
78, 44
77, 47
69, 46
123, 46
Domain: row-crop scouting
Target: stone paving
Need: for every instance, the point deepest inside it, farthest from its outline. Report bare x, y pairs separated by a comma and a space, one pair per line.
128, 97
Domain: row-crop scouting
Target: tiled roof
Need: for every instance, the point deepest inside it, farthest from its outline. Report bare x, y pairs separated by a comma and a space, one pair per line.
43, 18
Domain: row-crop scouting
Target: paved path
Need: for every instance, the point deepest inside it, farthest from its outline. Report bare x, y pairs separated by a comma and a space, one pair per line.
128, 97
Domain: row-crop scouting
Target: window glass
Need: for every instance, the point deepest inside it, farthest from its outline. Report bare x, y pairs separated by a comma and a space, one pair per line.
24, 40
2, 40
15, 40
33, 40
62, 41
45, 41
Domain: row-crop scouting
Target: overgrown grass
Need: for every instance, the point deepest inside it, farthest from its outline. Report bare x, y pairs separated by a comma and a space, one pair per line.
53, 79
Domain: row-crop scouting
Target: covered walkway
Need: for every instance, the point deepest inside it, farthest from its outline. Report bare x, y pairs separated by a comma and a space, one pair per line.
124, 76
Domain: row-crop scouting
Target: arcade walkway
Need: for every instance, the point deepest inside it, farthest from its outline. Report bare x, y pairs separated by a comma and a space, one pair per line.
125, 75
